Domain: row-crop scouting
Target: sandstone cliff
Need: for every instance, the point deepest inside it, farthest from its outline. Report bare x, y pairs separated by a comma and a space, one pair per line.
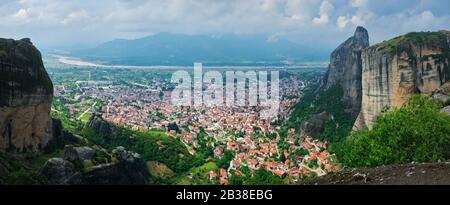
394, 69
26, 93
345, 69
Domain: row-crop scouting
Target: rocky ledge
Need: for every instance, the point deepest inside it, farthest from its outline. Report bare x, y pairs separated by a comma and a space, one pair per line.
404, 174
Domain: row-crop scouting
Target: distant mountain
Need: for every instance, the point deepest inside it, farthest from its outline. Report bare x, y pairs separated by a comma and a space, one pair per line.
180, 49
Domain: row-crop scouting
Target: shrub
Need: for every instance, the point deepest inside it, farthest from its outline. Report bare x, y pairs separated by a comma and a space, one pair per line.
415, 132
263, 177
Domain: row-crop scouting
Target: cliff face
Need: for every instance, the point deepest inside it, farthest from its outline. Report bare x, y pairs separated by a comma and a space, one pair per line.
26, 93
395, 69
345, 69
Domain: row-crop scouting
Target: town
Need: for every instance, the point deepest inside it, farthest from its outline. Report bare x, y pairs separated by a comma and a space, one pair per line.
141, 100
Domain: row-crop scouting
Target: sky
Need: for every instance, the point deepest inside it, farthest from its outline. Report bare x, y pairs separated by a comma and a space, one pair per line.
60, 24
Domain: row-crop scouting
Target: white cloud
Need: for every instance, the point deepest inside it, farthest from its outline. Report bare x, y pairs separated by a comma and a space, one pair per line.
300, 9
325, 11
427, 16
55, 22
22, 14
358, 3
275, 37
342, 22
75, 17
357, 21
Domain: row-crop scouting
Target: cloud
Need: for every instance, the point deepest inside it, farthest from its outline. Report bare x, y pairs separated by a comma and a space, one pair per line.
21, 14
427, 16
73, 24
325, 9
342, 22
76, 16
358, 3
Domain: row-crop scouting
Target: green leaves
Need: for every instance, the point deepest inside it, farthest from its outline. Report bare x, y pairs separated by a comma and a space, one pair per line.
415, 132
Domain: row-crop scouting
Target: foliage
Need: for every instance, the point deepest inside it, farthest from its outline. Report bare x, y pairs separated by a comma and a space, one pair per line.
224, 162
329, 101
263, 177
152, 145
415, 132
27, 177
196, 175
174, 127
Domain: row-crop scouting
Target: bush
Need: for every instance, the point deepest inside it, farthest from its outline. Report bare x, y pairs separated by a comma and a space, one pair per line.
152, 145
415, 132
27, 177
263, 177
224, 162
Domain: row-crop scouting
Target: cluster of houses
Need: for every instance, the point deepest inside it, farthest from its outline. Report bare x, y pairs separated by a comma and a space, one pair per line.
254, 142
302, 158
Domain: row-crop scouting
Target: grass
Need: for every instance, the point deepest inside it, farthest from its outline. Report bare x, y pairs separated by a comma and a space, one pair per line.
159, 170
25, 171
41, 159
200, 175
86, 117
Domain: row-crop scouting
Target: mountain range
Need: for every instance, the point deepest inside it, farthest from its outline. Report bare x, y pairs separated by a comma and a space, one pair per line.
181, 49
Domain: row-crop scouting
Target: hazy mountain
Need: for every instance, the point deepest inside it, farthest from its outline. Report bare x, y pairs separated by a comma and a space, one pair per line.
180, 49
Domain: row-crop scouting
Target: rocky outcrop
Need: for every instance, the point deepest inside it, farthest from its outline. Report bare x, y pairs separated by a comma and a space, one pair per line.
26, 93
345, 69
97, 123
130, 169
60, 137
443, 94
57, 170
446, 110
315, 125
127, 168
395, 69
80, 154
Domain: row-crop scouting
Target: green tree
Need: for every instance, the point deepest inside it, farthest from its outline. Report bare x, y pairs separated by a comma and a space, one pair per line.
415, 132
263, 177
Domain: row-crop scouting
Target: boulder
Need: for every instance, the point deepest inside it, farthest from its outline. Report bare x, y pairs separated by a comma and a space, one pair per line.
57, 170
446, 110
443, 93
78, 153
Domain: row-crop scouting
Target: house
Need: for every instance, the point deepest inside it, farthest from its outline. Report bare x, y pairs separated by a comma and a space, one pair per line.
212, 175
223, 173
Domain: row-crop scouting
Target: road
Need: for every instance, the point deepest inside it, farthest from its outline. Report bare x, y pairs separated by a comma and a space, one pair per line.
87, 110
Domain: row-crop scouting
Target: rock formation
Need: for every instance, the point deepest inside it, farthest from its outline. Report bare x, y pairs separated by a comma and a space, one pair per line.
26, 93
128, 168
395, 69
345, 69
443, 94
315, 125
57, 170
